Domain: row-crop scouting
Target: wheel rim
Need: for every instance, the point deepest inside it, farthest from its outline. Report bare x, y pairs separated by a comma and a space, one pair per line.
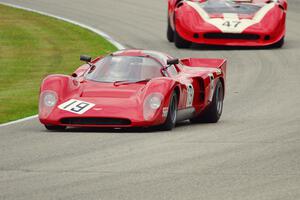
219, 100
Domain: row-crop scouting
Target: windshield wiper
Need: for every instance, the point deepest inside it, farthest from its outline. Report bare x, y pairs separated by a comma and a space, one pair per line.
124, 82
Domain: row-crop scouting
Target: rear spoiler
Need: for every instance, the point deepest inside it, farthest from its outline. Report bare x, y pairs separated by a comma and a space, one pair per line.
206, 63
203, 62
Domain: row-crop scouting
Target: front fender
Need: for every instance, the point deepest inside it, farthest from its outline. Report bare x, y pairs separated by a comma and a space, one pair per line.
63, 85
164, 86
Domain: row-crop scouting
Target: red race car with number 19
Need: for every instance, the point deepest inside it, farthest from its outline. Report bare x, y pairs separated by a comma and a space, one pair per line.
227, 22
134, 88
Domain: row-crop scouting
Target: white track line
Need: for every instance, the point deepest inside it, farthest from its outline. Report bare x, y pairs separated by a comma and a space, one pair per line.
101, 33
19, 120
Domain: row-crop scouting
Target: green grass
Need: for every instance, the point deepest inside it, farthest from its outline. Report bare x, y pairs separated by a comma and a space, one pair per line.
33, 46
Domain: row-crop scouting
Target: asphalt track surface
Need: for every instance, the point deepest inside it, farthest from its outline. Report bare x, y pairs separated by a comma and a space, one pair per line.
252, 153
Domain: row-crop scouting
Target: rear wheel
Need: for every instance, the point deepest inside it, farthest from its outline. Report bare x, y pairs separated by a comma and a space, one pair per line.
172, 114
214, 111
170, 32
55, 128
180, 42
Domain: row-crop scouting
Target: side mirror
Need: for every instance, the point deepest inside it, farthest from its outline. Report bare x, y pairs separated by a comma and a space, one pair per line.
86, 58
172, 61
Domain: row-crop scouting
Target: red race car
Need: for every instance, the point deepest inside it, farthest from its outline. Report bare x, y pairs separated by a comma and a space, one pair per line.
227, 22
134, 88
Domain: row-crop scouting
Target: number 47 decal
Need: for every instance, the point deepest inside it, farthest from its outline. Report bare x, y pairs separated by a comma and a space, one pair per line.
76, 106
231, 24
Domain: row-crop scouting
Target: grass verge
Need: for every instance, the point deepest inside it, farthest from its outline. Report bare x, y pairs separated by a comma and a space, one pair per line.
33, 46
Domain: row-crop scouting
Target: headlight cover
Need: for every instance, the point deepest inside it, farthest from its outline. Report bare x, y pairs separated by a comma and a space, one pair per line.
155, 102
48, 100
151, 104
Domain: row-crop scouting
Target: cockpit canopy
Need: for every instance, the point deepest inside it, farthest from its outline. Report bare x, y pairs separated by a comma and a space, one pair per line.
114, 68
230, 6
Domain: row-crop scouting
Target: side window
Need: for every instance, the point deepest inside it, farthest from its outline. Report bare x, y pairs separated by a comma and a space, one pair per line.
172, 70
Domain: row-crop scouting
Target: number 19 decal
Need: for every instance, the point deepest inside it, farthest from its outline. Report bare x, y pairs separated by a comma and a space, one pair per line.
76, 106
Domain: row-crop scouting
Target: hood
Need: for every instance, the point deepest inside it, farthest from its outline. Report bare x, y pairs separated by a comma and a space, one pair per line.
231, 17
104, 99
109, 90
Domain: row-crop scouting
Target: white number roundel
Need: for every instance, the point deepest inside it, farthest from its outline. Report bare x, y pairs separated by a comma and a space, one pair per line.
190, 95
76, 106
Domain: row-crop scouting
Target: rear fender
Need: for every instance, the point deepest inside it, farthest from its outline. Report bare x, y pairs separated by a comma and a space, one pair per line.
216, 69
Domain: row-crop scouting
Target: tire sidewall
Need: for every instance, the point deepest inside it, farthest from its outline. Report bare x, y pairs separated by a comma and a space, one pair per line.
170, 32
218, 99
171, 119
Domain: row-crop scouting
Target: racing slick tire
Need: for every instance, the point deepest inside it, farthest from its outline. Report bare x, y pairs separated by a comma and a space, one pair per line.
172, 114
180, 42
170, 32
278, 44
55, 128
213, 112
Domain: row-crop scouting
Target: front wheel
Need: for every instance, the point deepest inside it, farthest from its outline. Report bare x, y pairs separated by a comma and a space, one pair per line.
172, 114
170, 32
213, 112
180, 42
55, 128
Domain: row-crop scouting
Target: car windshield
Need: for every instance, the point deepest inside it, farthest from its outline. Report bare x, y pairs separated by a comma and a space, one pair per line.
212, 6
124, 68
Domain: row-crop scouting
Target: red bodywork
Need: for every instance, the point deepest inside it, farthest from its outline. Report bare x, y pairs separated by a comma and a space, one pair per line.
208, 22
122, 105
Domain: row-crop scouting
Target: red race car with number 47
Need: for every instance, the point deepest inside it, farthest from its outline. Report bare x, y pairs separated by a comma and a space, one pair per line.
134, 88
227, 22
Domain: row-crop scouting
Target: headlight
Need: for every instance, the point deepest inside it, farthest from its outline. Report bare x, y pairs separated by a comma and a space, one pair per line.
151, 105
48, 100
155, 102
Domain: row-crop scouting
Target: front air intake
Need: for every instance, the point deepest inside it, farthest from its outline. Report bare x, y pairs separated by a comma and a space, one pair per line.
95, 121
234, 36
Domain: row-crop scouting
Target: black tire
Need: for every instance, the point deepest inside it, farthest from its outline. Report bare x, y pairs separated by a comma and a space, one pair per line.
278, 44
172, 114
55, 128
180, 42
213, 112
170, 32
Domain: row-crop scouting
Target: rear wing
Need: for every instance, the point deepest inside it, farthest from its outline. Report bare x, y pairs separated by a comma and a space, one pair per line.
206, 62
203, 62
